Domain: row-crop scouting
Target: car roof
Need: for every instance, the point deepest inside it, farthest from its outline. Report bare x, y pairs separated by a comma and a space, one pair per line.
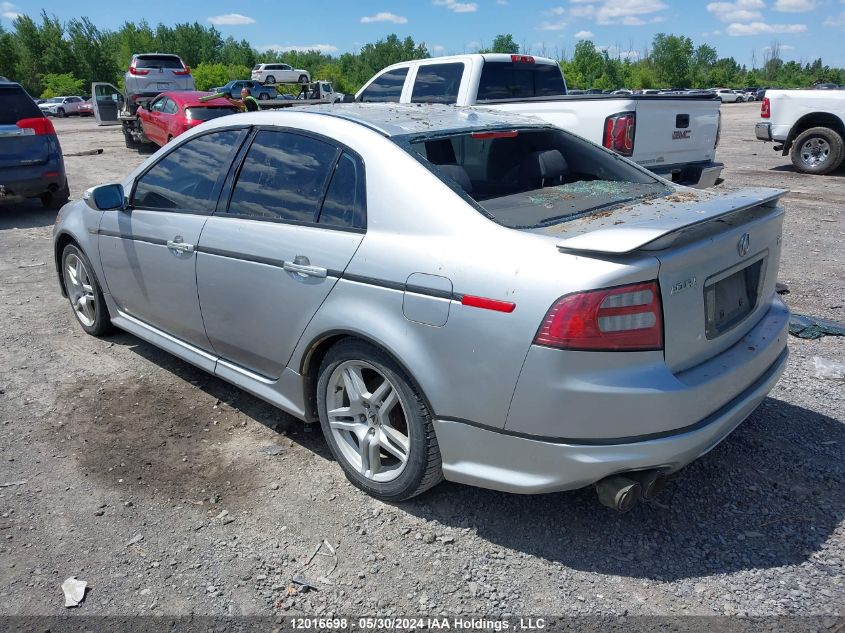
189, 97
399, 119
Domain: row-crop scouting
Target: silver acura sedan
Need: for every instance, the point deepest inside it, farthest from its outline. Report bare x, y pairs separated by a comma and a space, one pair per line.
453, 293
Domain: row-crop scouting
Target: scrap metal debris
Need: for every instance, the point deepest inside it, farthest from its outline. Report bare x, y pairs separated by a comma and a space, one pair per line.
828, 369
808, 327
272, 450
781, 288
74, 591
87, 152
13, 483
135, 539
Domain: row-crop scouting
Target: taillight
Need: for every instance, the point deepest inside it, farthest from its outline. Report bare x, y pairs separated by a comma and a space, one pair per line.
184, 71
522, 59
765, 108
625, 318
619, 133
40, 126
138, 71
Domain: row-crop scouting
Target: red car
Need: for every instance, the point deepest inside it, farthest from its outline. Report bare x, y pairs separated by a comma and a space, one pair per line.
171, 113
86, 108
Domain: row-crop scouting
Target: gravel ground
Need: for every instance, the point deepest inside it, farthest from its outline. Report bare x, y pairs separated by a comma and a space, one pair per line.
171, 492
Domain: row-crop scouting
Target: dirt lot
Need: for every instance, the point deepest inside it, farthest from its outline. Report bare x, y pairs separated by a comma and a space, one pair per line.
171, 492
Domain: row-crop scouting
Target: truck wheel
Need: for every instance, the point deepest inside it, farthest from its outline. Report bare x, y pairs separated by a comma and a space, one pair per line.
270, 80
376, 423
818, 150
303, 79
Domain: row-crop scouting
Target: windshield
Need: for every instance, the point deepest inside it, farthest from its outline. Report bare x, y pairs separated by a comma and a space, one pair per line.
158, 61
518, 80
199, 113
536, 177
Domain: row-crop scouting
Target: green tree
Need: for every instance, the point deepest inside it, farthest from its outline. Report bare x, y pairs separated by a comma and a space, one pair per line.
207, 76
502, 43
702, 59
587, 64
60, 85
8, 54
672, 59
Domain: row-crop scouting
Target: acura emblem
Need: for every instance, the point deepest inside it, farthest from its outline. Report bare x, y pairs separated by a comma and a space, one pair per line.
743, 245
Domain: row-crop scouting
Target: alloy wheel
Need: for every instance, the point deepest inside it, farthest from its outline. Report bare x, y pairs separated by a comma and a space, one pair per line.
368, 422
80, 290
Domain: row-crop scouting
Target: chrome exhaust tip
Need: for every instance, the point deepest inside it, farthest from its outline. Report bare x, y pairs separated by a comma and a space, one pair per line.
651, 482
618, 492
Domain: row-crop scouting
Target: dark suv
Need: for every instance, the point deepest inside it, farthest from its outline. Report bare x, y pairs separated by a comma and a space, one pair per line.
31, 163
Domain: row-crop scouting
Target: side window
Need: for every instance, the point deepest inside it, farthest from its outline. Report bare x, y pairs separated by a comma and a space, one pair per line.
170, 107
345, 203
185, 179
437, 83
386, 87
158, 106
283, 177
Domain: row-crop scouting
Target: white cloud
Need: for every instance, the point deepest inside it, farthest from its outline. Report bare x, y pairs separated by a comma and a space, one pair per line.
836, 20
457, 7
552, 26
473, 45
739, 11
323, 48
615, 11
384, 16
763, 28
795, 6
584, 35
230, 19
9, 11
555, 11
717, 32
781, 47
437, 49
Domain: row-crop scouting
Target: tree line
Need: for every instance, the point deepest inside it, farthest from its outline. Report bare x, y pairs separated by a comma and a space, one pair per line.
50, 57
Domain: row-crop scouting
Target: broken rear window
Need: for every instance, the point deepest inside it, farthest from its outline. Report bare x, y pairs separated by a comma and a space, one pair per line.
535, 177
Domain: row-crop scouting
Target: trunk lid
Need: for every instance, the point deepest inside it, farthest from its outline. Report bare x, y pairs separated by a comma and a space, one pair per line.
19, 147
718, 254
675, 131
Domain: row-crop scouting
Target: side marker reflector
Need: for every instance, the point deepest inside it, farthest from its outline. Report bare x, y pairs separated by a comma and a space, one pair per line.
488, 304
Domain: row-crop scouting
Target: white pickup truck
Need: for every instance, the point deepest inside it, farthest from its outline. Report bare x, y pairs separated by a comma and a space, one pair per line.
809, 125
674, 136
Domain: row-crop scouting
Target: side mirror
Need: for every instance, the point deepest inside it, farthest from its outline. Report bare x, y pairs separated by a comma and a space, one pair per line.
348, 99
105, 197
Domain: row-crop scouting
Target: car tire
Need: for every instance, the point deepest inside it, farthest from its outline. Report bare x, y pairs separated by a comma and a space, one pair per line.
263, 96
303, 79
56, 199
271, 80
131, 143
92, 314
405, 428
60, 112
818, 150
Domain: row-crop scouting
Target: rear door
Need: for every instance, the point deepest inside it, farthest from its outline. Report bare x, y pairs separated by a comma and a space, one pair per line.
269, 258
107, 101
148, 251
19, 147
675, 131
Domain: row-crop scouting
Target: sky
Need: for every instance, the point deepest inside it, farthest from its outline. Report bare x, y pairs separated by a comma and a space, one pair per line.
805, 29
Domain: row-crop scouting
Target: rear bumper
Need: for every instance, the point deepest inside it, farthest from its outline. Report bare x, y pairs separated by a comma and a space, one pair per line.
763, 131
698, 175
577, 417
492, 459
30, 181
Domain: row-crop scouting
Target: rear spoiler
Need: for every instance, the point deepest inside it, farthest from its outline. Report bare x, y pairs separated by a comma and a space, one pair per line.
656, 226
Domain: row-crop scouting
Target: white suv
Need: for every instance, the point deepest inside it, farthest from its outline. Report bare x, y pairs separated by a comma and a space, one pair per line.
280, 74
61, 106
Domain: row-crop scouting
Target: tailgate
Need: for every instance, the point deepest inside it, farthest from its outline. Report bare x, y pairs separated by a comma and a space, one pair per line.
718, 255
19, 149
675, 131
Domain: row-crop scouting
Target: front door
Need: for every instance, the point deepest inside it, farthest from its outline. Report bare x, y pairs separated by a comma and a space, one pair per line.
148, 251
268, 261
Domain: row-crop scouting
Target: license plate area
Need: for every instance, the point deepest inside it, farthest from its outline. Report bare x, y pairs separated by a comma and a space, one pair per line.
731, 296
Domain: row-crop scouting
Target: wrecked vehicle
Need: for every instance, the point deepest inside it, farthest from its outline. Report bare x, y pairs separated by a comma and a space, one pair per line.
547, 316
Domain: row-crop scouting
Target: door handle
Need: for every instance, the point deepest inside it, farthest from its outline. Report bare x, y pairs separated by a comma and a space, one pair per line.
304, 268
179, 246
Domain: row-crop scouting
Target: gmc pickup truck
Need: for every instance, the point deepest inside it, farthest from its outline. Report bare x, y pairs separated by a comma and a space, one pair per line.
674, 136
809, 125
